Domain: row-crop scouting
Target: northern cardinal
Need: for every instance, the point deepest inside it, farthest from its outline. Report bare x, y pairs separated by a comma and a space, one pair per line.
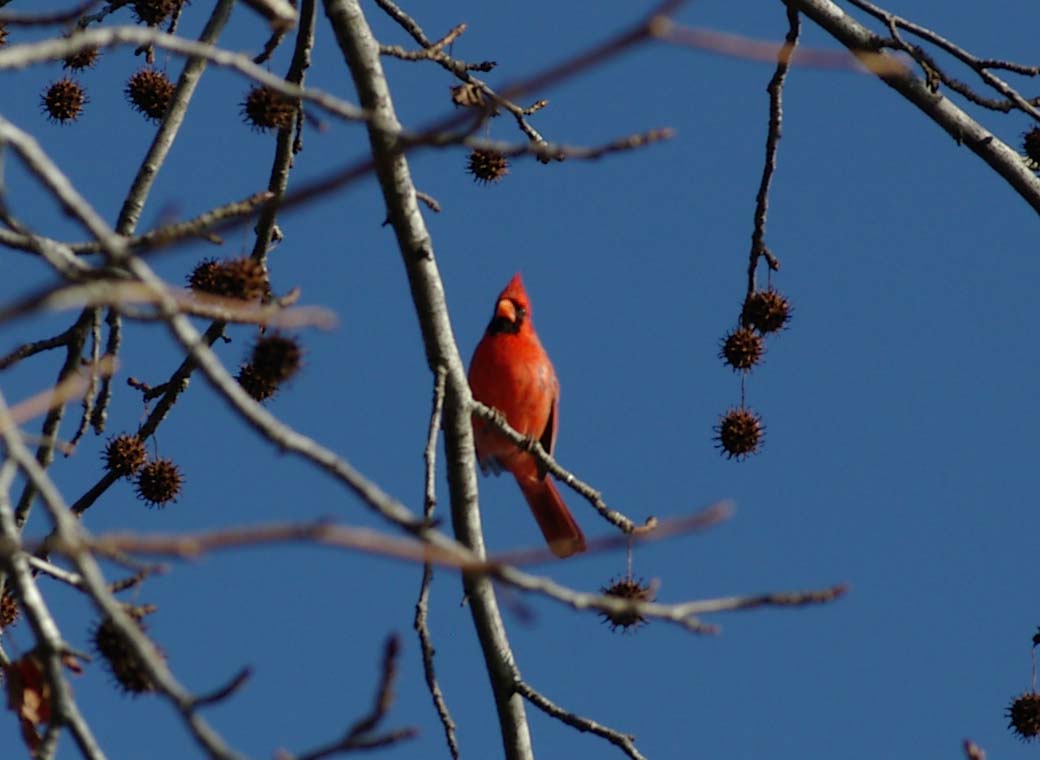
511, 372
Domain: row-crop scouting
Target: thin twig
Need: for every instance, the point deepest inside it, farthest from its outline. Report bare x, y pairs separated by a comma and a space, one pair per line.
52, 422
546, 150
61, 574
26, 350
446, 554
284, 149
91, 391
115, 338
430, 452
280, 13
360, 736
746, 48
625, 742
421, 623
219, 695
594, 497
122, 295
981, 66
775, 89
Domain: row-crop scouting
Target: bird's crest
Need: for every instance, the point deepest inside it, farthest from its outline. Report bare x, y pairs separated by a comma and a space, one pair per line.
515, 292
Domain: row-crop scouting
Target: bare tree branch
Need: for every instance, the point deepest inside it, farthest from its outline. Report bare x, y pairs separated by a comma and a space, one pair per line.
1003, 159
361, 52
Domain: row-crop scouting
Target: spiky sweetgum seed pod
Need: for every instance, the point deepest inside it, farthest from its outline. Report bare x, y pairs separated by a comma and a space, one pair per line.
739, 433
1031, 145
626, 588
63, 100
205, 278
1024, 716
154, 12
258, 387
119, 657
742, 349
766, 311
84, 59
487, 166
159, 482
264, 108
124, 455
8, 609
149, 92
276, 357
243, 278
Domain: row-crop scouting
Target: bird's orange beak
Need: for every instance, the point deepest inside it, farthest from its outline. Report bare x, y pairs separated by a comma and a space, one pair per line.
505, 309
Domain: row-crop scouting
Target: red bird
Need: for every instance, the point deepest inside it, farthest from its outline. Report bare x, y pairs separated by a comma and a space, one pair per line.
511, 372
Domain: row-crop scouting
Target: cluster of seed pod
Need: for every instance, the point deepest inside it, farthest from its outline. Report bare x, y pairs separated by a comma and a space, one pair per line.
739, 432
274, 358
158, 481
149, 91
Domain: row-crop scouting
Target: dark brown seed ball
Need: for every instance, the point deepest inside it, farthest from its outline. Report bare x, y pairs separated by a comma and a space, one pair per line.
124, 455
159, 483
766, 311
150, 92
113, 647
259, 388
739, 433
84, 59
264, 109
742, 349
487, 166
1031, 145
204, 278
1024, 716
8, 607
242, 278
626, 588
154, 12
276, 357
63, 101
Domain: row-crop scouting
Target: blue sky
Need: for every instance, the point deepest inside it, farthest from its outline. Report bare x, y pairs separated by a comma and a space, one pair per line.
901, 405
